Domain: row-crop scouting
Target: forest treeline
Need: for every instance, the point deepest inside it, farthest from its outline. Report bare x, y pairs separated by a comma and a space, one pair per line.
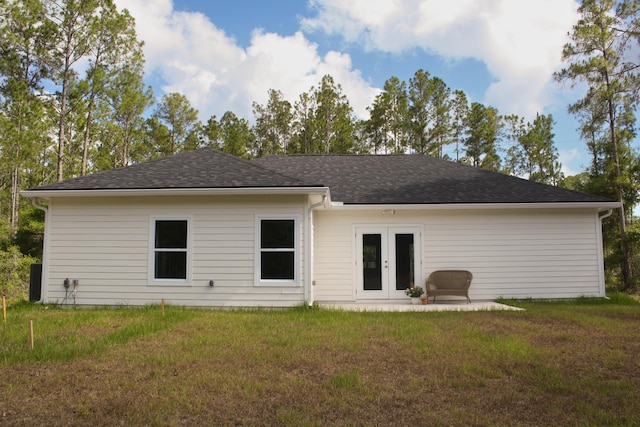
74, 102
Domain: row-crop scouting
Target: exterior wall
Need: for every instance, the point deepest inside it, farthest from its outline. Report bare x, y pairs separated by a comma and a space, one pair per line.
527, 253
104, 243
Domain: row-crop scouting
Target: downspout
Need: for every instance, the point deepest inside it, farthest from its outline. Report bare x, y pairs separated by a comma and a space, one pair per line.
36, 203
608, 213
309, 282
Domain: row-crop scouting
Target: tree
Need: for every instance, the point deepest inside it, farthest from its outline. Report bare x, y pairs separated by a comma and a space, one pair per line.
533, 154
210, 134
235, 134
388, 125
459, 112
157, 139
129, 99
360, 138
323, 121
175, 112
77, 22
333, 118
115, 50
303, 124
25, 64
598, 55
273, 128
430, 113
484, 126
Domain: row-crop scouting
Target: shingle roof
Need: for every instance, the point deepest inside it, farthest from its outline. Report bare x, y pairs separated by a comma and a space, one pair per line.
415, 179
203, 168
352, 179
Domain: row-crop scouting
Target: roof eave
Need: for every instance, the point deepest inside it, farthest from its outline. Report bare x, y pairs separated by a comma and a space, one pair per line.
231, 191
600, 206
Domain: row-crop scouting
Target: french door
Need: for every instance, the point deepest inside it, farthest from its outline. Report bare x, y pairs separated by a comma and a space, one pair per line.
387, 261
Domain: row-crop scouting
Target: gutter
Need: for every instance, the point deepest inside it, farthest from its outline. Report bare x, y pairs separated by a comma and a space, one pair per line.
37, 203
477, 206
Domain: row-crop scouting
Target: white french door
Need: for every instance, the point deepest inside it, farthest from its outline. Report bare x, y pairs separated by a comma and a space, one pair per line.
387, 261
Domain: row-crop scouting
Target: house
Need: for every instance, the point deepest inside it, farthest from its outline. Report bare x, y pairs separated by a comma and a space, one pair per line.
204, 228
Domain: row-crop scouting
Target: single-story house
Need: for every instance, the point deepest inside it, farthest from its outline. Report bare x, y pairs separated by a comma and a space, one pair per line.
205, 228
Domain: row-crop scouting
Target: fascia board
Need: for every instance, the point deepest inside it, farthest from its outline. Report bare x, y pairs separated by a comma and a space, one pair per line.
271, 191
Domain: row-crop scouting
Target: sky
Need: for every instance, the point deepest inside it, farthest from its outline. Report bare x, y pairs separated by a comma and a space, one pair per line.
223, 55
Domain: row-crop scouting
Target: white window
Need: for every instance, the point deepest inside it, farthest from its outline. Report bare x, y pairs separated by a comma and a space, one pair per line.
277, 249
170, 249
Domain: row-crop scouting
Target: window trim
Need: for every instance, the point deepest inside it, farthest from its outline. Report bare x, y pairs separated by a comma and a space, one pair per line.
152, 280
297, 221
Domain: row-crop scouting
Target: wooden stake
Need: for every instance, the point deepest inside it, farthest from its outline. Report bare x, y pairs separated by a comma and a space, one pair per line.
162, 307
4, 308
31, 333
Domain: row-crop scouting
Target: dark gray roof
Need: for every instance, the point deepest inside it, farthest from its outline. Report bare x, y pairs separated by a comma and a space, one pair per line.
415, 179
352, 179
203, 168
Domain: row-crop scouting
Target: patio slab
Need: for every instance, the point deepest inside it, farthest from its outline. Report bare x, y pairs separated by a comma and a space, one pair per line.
402, 306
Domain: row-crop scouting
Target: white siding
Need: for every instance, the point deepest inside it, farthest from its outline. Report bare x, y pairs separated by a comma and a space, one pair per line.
104, 244
525, 253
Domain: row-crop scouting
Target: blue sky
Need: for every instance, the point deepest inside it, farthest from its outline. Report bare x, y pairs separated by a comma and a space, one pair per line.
223, 55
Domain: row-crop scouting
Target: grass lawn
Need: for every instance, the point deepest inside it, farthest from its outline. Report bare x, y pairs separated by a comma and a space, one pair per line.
560, 363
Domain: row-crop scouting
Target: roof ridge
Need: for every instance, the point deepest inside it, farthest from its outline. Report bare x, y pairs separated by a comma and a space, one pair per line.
342, 155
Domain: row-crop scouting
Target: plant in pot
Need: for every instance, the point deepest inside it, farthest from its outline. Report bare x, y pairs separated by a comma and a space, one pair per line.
414, 292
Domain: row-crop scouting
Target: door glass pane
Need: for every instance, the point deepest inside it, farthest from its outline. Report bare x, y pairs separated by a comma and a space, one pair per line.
404, 261
372, 262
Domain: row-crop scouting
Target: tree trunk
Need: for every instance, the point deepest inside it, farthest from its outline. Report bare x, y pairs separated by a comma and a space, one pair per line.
87, 133
627, 273
15, 200
63, 112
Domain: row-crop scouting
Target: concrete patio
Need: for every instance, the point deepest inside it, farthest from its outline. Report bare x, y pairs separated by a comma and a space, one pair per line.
407, 306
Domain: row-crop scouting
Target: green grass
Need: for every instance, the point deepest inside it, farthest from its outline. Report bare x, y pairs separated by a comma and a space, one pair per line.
557, 363
66, 334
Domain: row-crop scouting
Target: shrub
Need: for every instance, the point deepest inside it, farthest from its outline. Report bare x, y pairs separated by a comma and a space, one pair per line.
14, 274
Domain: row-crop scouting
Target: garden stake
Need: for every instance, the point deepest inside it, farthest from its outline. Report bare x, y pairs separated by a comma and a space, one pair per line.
31, 333
162, 307
4, 308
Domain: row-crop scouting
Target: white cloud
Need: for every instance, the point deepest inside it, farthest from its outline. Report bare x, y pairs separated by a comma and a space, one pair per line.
519, 41
293, 65
570, 159
193, 57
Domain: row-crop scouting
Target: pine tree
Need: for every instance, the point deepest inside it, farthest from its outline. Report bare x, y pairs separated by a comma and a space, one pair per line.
533, 154
388, 125
484, 126
429, 110
598, 55
273, 125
